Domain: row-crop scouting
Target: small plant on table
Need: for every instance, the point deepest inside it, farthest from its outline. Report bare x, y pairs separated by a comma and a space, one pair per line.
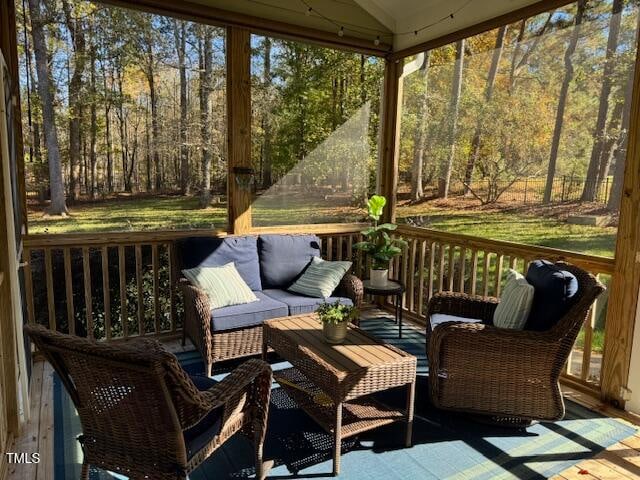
335, 317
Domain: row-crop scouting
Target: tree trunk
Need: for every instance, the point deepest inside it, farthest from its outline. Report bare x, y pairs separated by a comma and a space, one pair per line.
592, 181
45, 90
147, 138
454, 106
488, 93
155, 128
93, 129
611, 143
420, 136
613, 204
76, 31
363, 84
205, 108
180, 34
122, 124
267, 179
107, 122
562, 101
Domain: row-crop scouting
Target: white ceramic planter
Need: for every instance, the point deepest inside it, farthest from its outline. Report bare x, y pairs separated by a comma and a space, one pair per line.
335, 332
379, 278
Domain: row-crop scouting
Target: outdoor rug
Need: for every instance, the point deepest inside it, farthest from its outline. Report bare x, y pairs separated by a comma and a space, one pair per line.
445, 445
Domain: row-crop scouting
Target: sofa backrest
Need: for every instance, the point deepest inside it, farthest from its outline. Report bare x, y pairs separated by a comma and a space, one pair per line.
283, 258
215, 252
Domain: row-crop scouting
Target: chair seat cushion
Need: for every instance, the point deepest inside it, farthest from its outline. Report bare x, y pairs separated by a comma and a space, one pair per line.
248, 314
198, 436
555, 292
216, 252
283, 258
298, 304
440, 318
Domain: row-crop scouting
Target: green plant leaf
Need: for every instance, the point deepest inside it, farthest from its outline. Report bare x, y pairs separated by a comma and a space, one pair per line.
375, 206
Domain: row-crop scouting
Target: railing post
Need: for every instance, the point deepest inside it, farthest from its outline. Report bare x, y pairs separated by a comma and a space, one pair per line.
564, 181
526, 185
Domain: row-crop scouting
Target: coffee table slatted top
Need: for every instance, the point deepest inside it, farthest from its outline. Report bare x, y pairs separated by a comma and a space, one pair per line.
360, 365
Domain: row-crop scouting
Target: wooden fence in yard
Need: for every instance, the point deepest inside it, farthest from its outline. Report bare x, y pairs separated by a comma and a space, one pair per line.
121, 285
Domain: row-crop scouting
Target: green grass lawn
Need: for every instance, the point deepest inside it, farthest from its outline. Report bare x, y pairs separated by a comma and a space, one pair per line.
174, 212
516, 227
178, 213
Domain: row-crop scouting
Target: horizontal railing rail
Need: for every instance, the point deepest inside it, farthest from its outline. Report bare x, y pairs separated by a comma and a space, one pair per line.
118, 285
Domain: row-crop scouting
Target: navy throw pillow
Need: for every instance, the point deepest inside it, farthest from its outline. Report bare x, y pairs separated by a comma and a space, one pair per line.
216, 252
283, 258
555, 292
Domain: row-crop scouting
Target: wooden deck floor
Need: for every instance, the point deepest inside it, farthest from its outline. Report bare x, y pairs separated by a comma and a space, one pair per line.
621, 461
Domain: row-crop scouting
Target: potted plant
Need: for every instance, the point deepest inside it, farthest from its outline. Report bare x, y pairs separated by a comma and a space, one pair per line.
335, 317
378, 243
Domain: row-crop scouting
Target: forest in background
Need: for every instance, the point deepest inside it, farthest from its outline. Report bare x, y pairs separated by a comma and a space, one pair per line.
118, 101
533, 113
540, 99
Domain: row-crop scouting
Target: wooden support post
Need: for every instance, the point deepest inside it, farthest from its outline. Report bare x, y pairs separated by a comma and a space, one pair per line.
622, 309
389, 148
239, 126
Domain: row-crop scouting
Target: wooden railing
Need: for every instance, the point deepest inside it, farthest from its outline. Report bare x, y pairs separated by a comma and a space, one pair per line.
439, 261
121, 285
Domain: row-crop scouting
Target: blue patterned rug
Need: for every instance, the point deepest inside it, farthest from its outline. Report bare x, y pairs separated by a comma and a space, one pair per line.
445, 445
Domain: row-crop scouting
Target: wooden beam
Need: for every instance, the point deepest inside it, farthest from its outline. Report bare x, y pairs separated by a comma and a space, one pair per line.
9, 367
496, 22
9, 47
390, 130
622, 309
238, 126
225, 18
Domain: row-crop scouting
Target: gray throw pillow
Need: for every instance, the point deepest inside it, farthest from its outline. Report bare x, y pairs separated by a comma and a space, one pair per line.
321, 278
515, 303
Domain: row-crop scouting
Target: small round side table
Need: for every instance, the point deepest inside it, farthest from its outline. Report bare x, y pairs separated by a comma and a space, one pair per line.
393, 288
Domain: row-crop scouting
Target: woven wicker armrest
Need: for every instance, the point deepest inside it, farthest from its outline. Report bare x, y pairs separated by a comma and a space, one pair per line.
249, 377
197, 316
351, 287
247, 388
466, 340
463, 305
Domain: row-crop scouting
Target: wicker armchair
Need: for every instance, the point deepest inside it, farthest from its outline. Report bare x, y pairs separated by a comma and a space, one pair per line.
215, 346
508, 375
142, 416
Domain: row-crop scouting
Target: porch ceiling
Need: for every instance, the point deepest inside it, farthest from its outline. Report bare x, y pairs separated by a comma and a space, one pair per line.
403, 17
394, 21
326, 15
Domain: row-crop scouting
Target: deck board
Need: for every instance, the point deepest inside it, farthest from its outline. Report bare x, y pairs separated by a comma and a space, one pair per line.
620, 461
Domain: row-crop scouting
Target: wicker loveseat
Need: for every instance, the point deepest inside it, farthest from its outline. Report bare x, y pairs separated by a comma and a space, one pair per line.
142, 416
269, 264
510, 376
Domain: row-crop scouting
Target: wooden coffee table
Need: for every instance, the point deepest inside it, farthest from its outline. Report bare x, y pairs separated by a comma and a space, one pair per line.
334, 383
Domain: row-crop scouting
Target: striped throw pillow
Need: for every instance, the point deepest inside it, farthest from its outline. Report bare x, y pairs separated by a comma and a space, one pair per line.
223, 285
515, 303
320, 278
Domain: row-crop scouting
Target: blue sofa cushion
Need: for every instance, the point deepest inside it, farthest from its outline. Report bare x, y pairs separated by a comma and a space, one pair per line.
554, 293
299, 304
247, 314
198, 436
284, 257
216, 252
